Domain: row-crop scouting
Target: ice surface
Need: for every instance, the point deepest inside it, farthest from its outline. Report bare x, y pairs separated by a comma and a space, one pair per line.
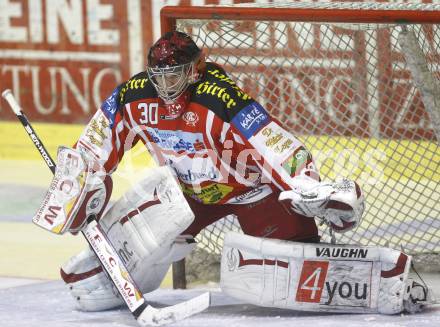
49, 304
8, 282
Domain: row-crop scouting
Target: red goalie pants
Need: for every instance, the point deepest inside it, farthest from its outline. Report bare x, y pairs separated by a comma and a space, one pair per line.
264, 218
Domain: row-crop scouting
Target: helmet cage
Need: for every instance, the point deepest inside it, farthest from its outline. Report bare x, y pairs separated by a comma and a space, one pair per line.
171, 81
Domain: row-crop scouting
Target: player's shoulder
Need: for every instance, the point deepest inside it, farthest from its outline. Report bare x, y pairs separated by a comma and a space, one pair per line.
136, 88
219, 93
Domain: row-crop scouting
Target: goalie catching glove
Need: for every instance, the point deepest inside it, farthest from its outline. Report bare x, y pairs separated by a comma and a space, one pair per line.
340, 205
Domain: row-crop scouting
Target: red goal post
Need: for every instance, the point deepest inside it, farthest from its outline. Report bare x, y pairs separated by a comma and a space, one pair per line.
359, 84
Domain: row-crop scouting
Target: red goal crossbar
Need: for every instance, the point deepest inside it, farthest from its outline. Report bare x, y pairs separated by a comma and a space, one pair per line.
169, 15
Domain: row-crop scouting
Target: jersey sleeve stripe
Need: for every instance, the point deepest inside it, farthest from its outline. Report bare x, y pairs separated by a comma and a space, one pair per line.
118, 130
225, 129
237, 138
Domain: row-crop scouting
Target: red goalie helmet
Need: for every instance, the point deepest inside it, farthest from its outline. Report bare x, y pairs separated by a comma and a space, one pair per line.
172, 65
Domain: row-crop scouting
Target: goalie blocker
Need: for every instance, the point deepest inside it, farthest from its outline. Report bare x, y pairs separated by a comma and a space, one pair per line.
319, 277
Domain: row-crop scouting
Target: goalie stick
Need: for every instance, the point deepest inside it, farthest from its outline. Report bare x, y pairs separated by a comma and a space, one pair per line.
145, 314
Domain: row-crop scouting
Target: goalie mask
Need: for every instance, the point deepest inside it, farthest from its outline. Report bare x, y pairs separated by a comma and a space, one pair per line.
172, 67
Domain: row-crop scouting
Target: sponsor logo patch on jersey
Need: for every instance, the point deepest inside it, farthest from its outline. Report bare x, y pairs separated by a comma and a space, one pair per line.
209, 194
178, 141
194, 170
251, 119
273, 140
132, 84
110, 106
97, 130
229, 94
299, 160
220, 92
251, 196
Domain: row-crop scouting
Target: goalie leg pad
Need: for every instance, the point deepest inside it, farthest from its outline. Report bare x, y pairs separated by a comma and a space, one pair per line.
142, 227
92, 290
147, 218
88, 284
314, 277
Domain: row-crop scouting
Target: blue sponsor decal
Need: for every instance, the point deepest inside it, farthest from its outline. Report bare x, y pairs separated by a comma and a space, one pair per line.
110, 106
250, 119
178, 141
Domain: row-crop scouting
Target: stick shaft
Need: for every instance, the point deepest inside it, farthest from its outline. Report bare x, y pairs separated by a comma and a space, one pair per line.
8, 96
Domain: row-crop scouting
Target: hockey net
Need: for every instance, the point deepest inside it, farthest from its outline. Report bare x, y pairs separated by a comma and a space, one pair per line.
359, 85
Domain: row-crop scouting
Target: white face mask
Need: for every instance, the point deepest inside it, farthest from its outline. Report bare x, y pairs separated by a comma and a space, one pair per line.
170, 82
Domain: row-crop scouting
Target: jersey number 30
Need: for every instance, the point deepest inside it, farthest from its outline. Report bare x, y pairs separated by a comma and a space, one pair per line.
148, 113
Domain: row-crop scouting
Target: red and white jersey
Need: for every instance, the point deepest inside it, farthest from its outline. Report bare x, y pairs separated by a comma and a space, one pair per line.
224, 148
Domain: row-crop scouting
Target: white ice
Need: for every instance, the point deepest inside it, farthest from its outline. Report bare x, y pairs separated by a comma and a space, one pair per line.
30, 303
49, 304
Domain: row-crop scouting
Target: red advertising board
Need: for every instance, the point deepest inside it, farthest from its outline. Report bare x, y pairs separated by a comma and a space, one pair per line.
61, 58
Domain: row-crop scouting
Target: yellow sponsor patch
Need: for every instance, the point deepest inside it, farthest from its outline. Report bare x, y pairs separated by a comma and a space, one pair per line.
274, 140
96, 130
210, 194
224, 78
223, 93
132, 84
278, 141
215, 90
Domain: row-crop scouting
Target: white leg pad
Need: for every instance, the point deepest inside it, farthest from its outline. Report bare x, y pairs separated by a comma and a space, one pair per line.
142, 226
314, 277
91, 289
88, 284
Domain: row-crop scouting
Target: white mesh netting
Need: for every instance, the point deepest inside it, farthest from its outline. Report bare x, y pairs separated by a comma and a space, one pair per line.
351, 94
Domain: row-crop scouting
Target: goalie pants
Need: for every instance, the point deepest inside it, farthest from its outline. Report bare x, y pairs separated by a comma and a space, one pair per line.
264, 218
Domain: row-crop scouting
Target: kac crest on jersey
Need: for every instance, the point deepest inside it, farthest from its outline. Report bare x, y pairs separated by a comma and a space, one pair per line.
190, 118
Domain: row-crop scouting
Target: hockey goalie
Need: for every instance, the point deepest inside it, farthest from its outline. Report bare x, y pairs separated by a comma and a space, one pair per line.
229, 157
